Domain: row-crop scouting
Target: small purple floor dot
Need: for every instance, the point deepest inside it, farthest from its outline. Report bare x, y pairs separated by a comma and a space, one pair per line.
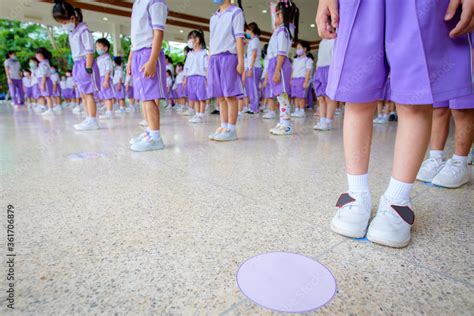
286, 282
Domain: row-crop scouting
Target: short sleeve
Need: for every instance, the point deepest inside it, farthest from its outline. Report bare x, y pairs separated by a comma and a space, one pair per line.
309, 64
108, 66
6, 63
87, 41
206, 61
187, 64
284, 43
43, 70
238, 22
158, 12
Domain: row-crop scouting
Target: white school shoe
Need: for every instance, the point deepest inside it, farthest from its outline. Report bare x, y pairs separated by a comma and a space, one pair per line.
430, 168
138, 138
270, 115
273, 130
298, 114
226, 136
38, 109
453, 174
283, 130
352, 215
106, 116
323, 126
218, 131
87, 125
188, 112
48, 112
147, 143
77, 110
392, 224
143, 123
58, 109
121, 111
196, 119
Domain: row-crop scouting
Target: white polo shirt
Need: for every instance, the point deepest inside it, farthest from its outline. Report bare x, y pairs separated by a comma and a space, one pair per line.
26, 82
34, 77
147, 16
44, 69
81, 42
105, 64
13, 66
128, 80
225, 28
280, 42
266, 61
54, 77
196, 63
300, 66
63, 84
70, 82
254, 45
325, 52
179, 78
118, 75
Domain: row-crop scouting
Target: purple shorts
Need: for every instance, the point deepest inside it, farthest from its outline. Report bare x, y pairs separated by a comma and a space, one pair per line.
67, 93
410, 40
129, 92
196, 88
266, 90
87, 83
106, 94
120, 94
223, 79
386, 91
276, 89
29, 92
320, 81
148, 89
251, 87
77, 93
297, 88
180, 91
36, 91
48, 91
58, 91
461, 103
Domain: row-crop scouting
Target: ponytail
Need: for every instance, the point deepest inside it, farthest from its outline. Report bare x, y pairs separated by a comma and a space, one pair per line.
63, 11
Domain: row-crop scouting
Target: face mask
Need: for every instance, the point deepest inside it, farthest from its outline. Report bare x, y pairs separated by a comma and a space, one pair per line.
191, 43
299, 52
13, 57
53, 71
100, 51
219, 2
69, 27
248, 36
32, 65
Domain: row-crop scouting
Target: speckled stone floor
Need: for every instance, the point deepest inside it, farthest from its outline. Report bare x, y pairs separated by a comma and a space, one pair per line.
165, 232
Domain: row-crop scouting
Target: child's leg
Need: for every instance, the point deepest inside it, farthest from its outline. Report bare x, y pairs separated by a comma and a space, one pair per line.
331, 109
413, 136
232, 110
271, 104
223, 111
322, 107
122, 103
202, 107
464, 135
90, 105
379, 108
152, 115
49, 101
440, 128
109, 104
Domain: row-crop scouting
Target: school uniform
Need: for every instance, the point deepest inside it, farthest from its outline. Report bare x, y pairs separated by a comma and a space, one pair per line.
106, 66
147, 16
55, 79
251, 83
27, 87
266, 89
129, 83
82, 43
301, 65
410, 40
44, 70
16, 87
279, 45
195, 70
225, 28
34, 84
118, 80
179, 90
320, 80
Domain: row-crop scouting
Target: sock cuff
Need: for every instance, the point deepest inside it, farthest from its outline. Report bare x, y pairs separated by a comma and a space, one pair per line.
436, 153
399, 190
358, 183
460, 158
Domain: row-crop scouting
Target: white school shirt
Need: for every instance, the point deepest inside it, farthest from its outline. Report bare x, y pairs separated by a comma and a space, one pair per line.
147, 16
44, 69
70, 82
13, 66
34, 77
196, 63
54, 77
266, 62
225, 27
63, 84
128, 80
105, 64
169, 82
81, 42
170, 67
179, 78
280, 42
300, 66
26, 82
118, 75
325, 52
254, 45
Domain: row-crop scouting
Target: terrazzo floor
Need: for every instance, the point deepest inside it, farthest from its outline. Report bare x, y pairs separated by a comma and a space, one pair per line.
165, 232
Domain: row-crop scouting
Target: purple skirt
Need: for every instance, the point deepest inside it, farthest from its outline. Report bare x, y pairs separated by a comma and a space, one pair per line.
35, 91
129, 92
320, 81
48, 91
58, 91
297, 88
106, 94
276, 89
386, 91
223, 79
461, 103
29, 92
87, 83
77, 93
120, 94
196, 88
67, 93
148, 89
180, 91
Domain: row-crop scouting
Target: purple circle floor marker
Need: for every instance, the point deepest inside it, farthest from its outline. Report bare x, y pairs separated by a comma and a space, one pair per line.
286, 282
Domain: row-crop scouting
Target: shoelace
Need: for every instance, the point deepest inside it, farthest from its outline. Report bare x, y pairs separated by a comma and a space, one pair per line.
453, 167
433, 162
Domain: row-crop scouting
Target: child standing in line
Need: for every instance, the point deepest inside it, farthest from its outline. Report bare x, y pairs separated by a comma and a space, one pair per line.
65, 94
279, 68
106, 68
45, 84
195, 72
179, 88
327, 107
384, 106
431, 40
146, 63
254, 66
85, 71
15, 85
28, 90
169, 89
118, 85
226, 65
56, 94
269, 104
37, 107
300, 77
129, 93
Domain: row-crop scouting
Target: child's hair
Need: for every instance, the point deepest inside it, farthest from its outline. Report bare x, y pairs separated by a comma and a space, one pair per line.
200, 35
187, 49
304, 44
291, 14
44, 52
254, 28
169, 73
264, 50
310, 55
180, 64
25, 71
62, 10
118, 61
168, 58
33, 59
104, 42
7, 55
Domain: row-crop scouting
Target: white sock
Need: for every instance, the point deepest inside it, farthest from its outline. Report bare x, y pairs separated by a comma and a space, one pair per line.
398, 191
231, 127
462, 159
108, 113
224, 125
358, 183
91, 119
329, 120
285, 123
155, 135
436, 153
322, 120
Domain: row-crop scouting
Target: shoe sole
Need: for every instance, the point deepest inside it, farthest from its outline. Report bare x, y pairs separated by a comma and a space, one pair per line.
345, 233
425, 180
142, 151
387, 243
225, 140
450, 186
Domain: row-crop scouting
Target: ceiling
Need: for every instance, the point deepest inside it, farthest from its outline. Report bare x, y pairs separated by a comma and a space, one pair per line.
185, 15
